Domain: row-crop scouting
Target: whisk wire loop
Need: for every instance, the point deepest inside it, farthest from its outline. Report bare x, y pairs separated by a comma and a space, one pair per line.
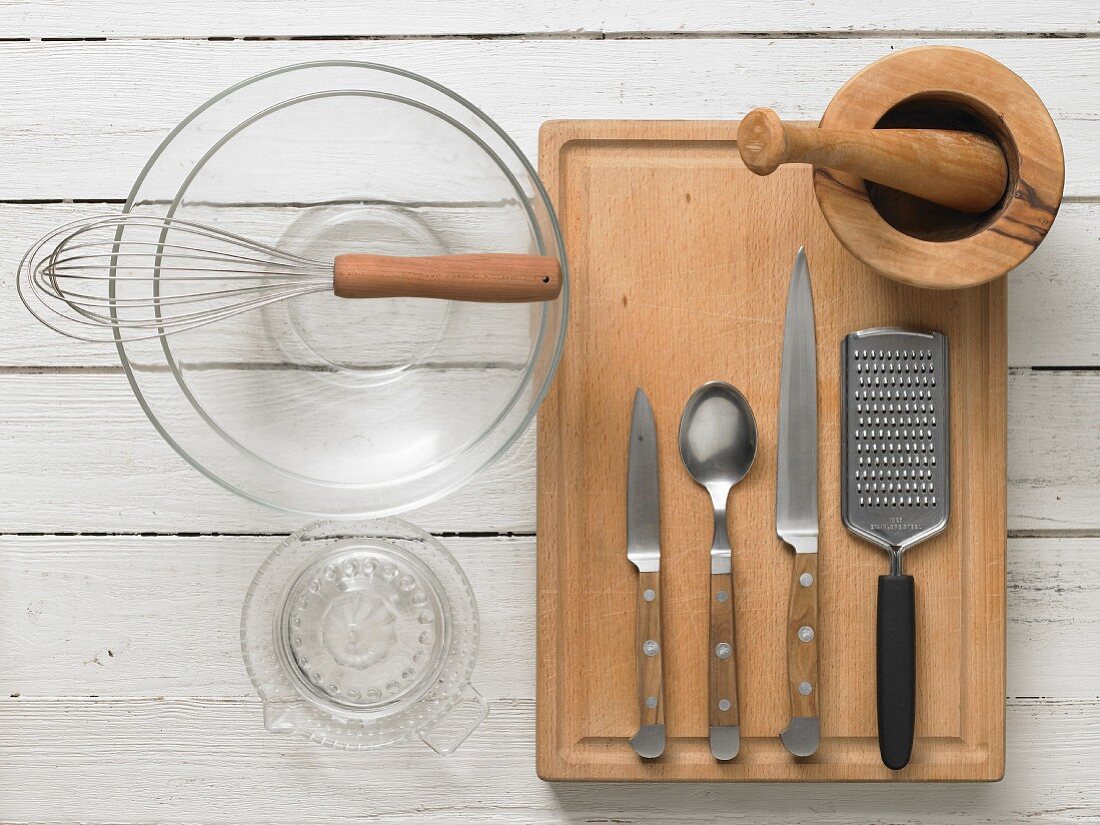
93, 275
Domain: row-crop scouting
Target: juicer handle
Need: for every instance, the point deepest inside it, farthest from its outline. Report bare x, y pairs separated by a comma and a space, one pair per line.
961, 170
897, 668
488, 277
445, 734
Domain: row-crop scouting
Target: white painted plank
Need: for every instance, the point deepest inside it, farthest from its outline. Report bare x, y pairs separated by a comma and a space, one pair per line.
1052, 611
1053, 297
82, 454
1053, 445
79, 455
66, 103
145, 616
91, 461
130, 761
159, 616
130, 18
1052, 300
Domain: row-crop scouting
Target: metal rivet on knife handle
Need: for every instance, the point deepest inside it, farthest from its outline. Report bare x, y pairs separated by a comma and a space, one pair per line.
649, 742
723, 673
802, 654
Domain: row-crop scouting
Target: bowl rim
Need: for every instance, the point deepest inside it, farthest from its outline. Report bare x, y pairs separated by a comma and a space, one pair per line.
540, 394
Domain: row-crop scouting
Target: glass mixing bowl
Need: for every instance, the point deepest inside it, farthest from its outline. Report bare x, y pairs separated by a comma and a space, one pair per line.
340, 407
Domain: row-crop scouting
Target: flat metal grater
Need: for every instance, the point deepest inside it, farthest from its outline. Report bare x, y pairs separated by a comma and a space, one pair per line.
895, 474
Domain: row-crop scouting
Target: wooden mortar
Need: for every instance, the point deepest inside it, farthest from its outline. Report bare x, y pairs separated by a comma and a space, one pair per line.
954, 126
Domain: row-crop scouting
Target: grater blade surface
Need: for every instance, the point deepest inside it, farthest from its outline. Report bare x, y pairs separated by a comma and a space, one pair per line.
895, 436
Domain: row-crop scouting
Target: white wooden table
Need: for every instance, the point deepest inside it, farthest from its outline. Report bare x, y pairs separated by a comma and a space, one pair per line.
122, 693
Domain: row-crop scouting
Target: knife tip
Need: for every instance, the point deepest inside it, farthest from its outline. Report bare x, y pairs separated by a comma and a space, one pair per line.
800, 264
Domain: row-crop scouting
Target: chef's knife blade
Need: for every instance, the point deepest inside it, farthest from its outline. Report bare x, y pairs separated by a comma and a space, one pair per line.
796, 519
643, 549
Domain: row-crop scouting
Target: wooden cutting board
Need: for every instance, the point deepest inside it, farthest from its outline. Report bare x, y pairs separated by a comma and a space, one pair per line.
679, 264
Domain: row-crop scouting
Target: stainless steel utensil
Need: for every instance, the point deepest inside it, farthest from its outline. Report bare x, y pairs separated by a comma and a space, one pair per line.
796, 520
195, 275
895, 492
718, 446
643, 548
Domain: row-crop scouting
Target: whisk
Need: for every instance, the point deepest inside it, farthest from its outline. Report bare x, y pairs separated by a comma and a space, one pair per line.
137, 277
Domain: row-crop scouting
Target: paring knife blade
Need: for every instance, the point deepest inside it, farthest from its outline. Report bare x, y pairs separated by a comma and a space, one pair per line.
643, 549
796, 518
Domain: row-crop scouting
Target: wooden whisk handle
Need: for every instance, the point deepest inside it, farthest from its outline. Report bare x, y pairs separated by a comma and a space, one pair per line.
490, 277
962, 170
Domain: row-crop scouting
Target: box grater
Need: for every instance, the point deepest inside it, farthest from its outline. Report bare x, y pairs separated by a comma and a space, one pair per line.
895, 492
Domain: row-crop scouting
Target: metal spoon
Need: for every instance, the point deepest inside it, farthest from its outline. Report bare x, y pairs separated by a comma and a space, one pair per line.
718, 446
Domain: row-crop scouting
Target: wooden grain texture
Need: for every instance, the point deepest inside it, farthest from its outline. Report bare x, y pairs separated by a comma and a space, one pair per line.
722, 671
650, 667
1052, 305
83, 117
574, 18
491, 278
69, 440
802, 655
701, 298
908, 239
961, 170
136, 760
79, 437
84, 616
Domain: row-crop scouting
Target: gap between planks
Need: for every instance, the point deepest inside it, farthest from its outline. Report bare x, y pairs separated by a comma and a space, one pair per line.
850, 34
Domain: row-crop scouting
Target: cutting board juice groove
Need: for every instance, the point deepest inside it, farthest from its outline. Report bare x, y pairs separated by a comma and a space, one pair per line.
679, 261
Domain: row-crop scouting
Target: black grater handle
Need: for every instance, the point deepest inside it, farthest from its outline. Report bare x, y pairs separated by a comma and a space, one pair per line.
897, 669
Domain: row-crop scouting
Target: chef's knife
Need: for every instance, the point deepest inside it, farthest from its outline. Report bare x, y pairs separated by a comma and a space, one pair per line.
796, 519
643, 548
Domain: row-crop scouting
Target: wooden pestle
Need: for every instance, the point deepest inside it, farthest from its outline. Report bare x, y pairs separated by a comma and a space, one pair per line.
961, 170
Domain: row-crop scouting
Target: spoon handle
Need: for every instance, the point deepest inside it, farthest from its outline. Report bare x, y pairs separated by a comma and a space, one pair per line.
725, 731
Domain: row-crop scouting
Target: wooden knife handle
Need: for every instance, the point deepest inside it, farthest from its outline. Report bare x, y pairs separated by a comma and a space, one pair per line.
649, 741
650, 681
490, 277
722, 653
802, 632
961, 170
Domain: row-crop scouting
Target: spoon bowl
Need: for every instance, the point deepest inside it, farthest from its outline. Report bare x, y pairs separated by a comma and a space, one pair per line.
717, 435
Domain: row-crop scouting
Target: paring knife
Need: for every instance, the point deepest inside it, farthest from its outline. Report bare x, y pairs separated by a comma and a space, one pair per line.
643, 548
796, 519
